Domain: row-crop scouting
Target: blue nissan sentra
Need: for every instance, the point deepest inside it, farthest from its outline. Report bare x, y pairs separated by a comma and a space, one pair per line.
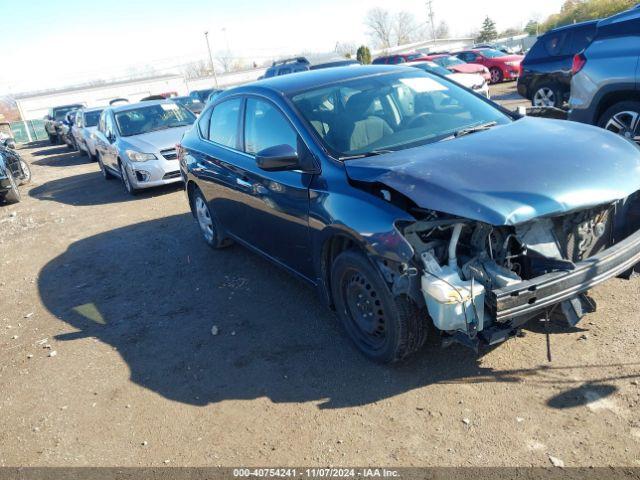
413, 204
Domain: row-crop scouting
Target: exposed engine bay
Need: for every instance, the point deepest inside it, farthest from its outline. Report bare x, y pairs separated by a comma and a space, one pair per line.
467, 266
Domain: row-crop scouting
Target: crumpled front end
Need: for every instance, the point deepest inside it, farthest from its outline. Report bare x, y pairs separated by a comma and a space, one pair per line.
481, 282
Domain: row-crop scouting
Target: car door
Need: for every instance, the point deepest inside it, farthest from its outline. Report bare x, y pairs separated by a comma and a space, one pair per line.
76, 130
110, 157
277, 213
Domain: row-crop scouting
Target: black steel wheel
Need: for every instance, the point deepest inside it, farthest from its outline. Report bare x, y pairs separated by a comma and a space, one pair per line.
385, 328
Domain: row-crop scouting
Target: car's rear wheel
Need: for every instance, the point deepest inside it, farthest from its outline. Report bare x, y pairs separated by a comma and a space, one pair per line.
106, 174
13, 194
385, 328
209, 226
623, 118
496, 75
53, 139
548, 95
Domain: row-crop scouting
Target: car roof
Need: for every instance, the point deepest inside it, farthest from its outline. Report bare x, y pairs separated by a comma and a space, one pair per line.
572, 26
92, 109
134, 106
297, 82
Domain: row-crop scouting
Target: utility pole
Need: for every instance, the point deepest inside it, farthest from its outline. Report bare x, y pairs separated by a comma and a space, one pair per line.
432, 18
215, 77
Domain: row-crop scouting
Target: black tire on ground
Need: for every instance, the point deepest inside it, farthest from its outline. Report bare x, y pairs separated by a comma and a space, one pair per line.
53, 139
210, 228
548, 95
106, 174
26, 170
93, 157
622, 118
385, 328
13, 194
126, 180
496, 75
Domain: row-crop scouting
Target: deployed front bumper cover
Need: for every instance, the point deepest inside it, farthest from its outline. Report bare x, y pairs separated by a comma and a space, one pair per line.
532, 296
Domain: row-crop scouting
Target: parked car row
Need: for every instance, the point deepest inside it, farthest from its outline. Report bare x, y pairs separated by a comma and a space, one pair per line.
496, 65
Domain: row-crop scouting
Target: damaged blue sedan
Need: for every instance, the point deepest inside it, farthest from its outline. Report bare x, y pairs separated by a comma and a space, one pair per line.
412, 203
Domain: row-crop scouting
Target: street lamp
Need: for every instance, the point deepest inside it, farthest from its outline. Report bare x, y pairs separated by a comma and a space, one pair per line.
215, 77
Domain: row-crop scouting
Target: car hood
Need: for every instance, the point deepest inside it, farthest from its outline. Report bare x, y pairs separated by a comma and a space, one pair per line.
467, 68
469, 80
511, 173
158, 140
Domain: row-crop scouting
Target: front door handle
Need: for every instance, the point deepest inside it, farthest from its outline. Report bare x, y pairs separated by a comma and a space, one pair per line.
244, 183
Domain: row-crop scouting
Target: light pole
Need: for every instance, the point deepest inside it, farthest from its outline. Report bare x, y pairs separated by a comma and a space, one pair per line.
215, 77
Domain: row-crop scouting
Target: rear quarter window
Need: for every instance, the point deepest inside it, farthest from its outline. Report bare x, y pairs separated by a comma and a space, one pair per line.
555, 43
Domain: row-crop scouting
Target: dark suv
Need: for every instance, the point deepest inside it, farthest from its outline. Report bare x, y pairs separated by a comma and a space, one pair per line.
546, 70
289, 65
54, 118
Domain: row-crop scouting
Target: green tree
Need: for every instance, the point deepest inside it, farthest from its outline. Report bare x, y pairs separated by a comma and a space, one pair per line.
363, 55
532, 27
488, 31
574, 11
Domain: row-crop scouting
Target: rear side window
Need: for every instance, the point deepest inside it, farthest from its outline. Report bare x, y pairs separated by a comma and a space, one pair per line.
555, 43
223, 126
580, 39
284, 71
266, 126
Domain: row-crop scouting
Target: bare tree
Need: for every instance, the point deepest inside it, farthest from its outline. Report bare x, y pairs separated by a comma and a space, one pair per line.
345, 49
380, 27
442, 31
225, 60
197, 69
405, 29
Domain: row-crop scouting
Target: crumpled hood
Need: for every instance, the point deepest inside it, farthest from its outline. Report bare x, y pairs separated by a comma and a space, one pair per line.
158, 140
511, 173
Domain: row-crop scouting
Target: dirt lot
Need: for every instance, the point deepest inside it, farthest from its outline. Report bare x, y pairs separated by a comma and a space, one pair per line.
125, 293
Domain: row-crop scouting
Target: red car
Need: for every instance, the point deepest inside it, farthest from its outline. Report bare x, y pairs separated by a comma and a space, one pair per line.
399, 58
501, 65
455, 65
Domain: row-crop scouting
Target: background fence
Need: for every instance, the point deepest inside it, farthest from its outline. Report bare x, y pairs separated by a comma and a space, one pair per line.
29, 131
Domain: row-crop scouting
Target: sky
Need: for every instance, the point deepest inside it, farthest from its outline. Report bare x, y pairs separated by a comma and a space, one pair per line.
54, 43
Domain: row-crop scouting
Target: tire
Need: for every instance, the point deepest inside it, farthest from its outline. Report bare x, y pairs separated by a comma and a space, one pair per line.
105, 173
26, 170
623, 118
126, 181
209, 225
53, 139
384, 328
548, 95
496, 75
13, 194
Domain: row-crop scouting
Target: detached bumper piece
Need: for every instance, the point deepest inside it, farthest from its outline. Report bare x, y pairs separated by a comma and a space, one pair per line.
530, 297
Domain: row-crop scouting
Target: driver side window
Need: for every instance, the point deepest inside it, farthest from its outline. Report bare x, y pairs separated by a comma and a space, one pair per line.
266, 126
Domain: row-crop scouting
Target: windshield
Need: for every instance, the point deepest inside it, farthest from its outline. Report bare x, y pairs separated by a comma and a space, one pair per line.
491, 53
91, 118
392, 112
152, 118
60, 113
432, 67
448, 61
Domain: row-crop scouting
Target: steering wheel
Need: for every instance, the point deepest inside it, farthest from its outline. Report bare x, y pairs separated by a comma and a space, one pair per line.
418, 118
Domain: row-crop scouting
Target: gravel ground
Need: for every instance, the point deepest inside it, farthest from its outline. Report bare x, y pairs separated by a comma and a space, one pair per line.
107, 355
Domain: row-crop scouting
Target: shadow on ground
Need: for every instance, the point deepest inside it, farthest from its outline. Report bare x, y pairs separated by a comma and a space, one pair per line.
92, 189
154, 290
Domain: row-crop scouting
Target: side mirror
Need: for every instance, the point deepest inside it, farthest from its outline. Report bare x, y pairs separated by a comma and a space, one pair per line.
278, 158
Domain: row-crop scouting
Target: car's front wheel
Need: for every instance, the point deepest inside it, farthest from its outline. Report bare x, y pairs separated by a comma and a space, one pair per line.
26, 173
623, 118
548, 95
126, 181
209, 226
385, 328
